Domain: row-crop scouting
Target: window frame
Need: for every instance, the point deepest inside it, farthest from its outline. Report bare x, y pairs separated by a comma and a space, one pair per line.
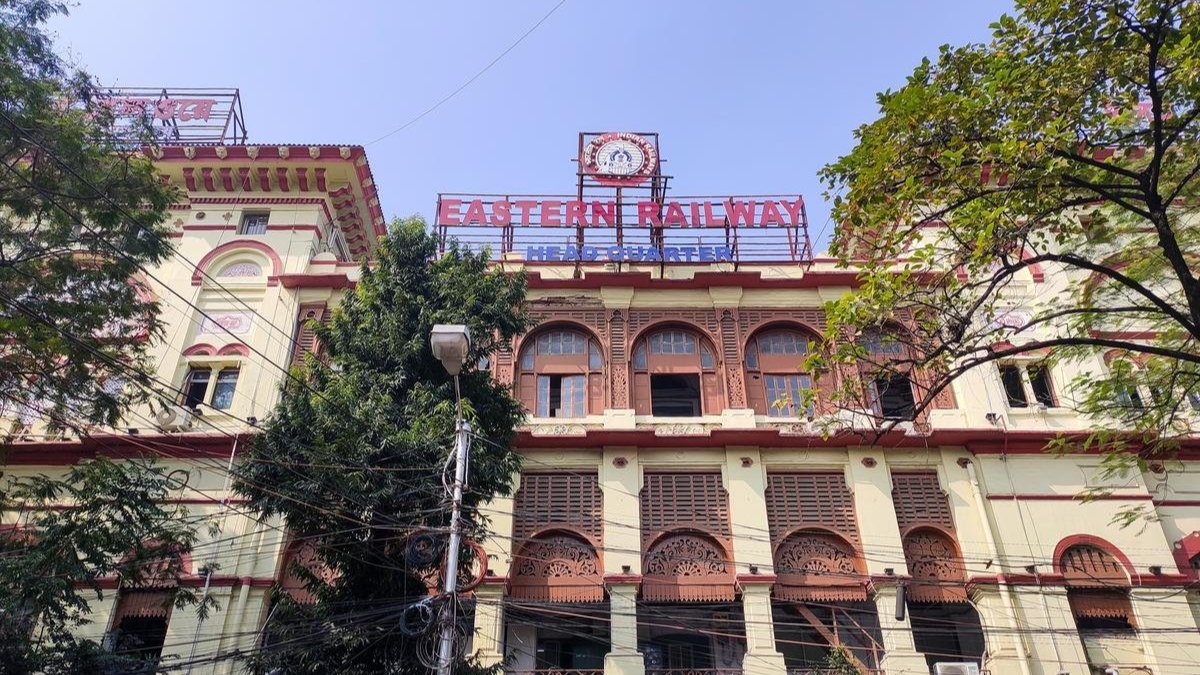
246, 216
1025, 370
214, 367
646, 362
762, 364
538, 364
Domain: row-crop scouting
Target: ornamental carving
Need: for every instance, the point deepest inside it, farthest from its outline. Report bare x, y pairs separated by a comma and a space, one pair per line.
243, 269
557, 557
811, 553
557, 568
931, 556
681, 430
685, 555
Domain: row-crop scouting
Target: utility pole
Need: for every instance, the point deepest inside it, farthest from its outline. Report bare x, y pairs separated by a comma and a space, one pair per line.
450, 345
462, 447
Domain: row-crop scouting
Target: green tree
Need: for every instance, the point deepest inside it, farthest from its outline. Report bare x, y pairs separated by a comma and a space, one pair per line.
115, 525
1066, 145
354, 460
80, 215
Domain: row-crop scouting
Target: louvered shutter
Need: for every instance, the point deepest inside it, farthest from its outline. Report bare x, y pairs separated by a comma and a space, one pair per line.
306, 337
641, 393
710, 388
756, 392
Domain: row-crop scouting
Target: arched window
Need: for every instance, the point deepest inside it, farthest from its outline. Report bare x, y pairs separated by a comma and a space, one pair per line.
890, 390
775, 379
561, 375
139, 627
675, 375
1097, 589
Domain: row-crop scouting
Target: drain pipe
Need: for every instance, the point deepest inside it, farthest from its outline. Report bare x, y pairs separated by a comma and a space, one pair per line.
212, 560
994, 551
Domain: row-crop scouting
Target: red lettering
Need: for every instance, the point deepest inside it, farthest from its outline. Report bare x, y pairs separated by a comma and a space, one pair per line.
475, 213
501, 213
551, 212
674, 215
606, 211
525, 206
742, 212
771, 214
575, 214
648, 213
794, 210
711, 219
448, 213
695, 214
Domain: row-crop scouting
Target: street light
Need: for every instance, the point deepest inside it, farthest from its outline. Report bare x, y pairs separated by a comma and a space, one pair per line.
450, 344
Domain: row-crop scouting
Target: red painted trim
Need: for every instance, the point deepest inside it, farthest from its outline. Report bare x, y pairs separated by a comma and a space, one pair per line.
1028, 497
1164, 580
63, 453
200, 349
189, 178
207, 174
315, 281
701, 280
226, 178
202, 266
265, 200
209, 228
264, 179
302, 178
1091, 540
190, 580
1177, 502
281, 177
243, 178
316, 229
237, 349
756, 578
622, 578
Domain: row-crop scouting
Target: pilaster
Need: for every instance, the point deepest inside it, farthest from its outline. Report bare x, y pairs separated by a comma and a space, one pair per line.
746, 482
761, 657
623, 656
1161, 612
900, 655
499, 548
621, 482
1005, 652
489, 625
872, 487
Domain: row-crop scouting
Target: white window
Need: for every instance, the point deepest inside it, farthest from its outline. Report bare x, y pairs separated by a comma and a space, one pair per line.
1024, 383
210, 384
254, 223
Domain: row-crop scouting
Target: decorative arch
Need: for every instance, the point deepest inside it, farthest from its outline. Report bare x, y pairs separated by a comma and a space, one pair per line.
557, 565
935, 564
222, 251
685, 565
301, 553
682, 362
234, 349
200, 349
774, 355
560, 371
1092, 548
1097, 578
821, 565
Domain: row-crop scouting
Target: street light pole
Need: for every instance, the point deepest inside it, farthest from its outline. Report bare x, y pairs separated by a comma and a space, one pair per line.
450, 344
462, 447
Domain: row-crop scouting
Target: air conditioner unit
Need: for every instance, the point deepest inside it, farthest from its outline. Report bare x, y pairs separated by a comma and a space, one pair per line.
174, 418
965, 668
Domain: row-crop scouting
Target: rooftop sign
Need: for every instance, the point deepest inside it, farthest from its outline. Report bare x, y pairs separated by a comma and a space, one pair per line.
620, 212
179, 115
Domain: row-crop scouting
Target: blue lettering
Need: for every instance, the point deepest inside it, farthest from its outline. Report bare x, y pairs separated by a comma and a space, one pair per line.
706, 254
535, 253
671, 253
614, 253
725, 253
590, 253
554, 253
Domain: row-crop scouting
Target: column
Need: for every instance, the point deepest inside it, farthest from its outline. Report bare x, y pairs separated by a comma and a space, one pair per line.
623, 657
620, 481
746, 482
1056, 645
900, 655
489, 624
761, 656
1005, 650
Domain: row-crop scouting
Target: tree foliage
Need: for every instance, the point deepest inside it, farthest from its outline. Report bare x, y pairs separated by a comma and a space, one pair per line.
80, 213
101, 521
354, 460
1065, 146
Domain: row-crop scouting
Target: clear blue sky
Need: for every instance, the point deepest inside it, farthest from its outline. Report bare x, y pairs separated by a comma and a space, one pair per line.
749, 98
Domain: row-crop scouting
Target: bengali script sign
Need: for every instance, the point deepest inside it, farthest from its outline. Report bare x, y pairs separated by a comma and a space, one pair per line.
179, 109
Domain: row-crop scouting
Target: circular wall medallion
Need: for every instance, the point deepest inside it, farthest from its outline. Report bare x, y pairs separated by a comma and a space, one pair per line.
620, 158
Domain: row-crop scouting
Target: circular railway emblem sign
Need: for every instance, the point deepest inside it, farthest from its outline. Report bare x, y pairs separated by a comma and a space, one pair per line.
620, 158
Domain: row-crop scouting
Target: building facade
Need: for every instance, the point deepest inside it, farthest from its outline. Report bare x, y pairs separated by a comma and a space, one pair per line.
679, 510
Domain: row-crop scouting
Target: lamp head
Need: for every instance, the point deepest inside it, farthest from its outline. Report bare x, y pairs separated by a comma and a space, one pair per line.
450, 344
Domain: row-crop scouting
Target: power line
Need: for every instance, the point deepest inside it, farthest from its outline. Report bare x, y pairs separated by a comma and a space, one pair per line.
472, 79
